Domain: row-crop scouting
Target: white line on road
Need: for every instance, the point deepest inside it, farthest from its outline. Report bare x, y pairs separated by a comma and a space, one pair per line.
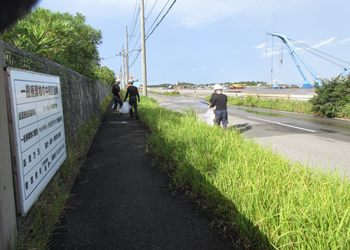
282, 124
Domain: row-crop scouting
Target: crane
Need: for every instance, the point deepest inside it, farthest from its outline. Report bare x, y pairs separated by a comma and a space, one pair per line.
293, 53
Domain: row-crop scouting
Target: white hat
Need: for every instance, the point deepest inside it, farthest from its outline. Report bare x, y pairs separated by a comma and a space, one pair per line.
131, 81
217, 87
118, 80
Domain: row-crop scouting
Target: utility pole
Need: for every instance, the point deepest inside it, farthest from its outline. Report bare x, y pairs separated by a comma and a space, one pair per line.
123, 77
143, 45
127, 56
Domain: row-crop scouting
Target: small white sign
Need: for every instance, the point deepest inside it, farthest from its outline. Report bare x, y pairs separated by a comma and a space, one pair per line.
38, 125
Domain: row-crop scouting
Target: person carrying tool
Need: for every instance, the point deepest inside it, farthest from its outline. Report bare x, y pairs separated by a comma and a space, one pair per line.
220, 101
133, 92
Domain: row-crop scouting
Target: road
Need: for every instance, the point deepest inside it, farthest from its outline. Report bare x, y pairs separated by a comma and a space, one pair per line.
318, 142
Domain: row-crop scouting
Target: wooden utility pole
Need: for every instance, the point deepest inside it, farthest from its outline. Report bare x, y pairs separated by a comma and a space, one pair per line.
123, 77
127, 56
143, 46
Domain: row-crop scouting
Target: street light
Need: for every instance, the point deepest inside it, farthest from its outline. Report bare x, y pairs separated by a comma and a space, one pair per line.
119, 54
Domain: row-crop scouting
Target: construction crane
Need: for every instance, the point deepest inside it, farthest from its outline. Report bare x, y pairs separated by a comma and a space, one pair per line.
293, 53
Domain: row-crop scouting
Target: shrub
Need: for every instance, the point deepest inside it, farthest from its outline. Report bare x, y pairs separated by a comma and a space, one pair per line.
333, 97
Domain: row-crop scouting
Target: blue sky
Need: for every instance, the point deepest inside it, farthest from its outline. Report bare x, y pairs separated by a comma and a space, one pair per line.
206, 41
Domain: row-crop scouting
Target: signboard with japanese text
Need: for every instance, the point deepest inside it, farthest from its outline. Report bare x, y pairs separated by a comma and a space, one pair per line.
37, 115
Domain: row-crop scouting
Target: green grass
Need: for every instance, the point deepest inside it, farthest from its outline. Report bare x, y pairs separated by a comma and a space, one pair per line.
303, 107
172, 93
272, 202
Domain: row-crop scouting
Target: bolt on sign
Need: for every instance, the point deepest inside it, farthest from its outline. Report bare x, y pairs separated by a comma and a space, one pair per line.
38, 132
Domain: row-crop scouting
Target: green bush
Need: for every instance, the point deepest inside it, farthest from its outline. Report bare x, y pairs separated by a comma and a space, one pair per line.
333, 98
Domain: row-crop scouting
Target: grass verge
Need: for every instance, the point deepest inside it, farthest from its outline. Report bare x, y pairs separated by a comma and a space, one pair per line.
272, 202
172, 93
303, 107
48, 207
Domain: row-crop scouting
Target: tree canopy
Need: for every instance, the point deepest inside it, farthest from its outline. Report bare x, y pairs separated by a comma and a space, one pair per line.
60, 37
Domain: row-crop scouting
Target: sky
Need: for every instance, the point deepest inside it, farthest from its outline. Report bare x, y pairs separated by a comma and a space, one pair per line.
206, 41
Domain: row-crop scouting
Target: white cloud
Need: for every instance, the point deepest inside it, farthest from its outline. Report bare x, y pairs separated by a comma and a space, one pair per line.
197, 13
345, 40
327, 42
204, 67
261, 46
193, 69
222, 69
269, 51
238, 51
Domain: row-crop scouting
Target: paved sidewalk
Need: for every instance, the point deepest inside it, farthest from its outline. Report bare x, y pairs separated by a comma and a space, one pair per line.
120, 202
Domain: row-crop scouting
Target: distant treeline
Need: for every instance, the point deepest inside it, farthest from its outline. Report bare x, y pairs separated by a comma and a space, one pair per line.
248, 83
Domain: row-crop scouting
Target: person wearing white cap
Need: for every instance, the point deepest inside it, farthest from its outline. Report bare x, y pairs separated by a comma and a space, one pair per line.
117, 97
133, 92
220, 101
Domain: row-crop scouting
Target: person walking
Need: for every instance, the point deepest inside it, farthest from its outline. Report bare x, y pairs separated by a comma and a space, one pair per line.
132, 92
117, 97
220, 101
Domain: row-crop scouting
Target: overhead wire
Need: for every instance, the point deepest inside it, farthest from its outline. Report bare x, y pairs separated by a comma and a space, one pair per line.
161, 20
153, 22
160, 13
151, 9
148, 34
134, 24
315, 51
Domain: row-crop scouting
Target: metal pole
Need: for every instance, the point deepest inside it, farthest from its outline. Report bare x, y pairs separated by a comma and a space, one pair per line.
143, 45
127, 55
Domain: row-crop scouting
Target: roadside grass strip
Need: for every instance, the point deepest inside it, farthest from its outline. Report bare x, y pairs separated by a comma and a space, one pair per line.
170, 93
303, 107
275, 203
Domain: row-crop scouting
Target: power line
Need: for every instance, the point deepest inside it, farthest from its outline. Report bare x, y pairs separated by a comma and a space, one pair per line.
136, 23
151, 9
158, 16
161, 19
135, 20
150, 33
133, 17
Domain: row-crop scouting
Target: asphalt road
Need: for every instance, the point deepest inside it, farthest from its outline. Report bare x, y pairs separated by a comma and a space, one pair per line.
319, 142
121, 201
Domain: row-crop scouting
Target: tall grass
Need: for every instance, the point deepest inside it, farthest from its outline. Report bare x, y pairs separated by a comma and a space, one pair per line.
275, 104
275, 203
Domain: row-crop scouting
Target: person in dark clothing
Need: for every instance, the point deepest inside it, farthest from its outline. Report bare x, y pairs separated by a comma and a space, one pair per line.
117, 97
220, 101
132, 92
211, 98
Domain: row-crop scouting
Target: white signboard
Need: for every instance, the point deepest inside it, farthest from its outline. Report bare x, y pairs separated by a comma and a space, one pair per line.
38, 126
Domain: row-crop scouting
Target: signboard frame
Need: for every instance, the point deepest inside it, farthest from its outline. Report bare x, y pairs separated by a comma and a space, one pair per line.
38, 135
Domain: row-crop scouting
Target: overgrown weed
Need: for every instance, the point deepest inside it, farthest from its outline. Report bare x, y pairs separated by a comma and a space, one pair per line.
275, 203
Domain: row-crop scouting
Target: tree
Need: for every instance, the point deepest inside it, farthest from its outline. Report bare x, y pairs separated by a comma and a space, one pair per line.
105, 75
61, 37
